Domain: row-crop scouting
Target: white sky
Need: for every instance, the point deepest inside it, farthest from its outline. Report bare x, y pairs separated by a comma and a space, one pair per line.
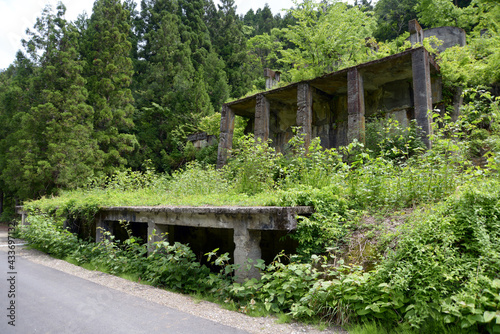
18, 15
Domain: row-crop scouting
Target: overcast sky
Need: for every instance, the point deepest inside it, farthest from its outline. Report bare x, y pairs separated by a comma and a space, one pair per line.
18, 15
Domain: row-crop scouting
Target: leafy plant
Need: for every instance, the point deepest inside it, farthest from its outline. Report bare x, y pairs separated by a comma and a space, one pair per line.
253, 166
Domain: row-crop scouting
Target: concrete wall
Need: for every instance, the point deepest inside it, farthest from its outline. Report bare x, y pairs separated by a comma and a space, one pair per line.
450, 36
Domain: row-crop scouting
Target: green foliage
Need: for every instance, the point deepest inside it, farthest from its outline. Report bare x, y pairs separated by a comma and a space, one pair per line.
392, 18
211, 125
447, 253
228, 40
387, 138
327, 37
53, 145
196, 179
476, 64
280, 285
442, 13
46, 234
437, 273
174, 266
431, 327
312, 167
253, 166
161, 134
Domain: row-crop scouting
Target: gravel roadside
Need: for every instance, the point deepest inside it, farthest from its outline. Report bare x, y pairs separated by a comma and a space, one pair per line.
203, 309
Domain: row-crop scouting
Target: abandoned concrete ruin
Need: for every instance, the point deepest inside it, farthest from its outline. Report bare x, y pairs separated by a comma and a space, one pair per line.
335, 106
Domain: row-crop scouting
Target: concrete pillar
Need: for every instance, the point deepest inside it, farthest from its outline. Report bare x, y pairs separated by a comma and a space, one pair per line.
226, 135
159, 234
304, 111
101, 227
247, 246
272, 78
355, 106
262, 110
416, 32
422, 92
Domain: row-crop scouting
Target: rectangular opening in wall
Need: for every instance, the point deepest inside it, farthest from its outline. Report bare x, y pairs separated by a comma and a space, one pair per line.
202, 240
273, 242
138, 230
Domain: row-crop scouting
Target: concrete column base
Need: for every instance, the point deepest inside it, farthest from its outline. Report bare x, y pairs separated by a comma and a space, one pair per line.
247, 247
160, 234
102, 226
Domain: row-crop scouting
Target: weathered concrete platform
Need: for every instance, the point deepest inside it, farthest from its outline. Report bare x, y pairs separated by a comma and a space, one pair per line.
247, 224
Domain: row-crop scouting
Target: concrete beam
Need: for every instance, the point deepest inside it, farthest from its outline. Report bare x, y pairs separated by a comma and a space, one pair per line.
422, 92
266, 218
226, 135
304, 111
355, 106
262, 110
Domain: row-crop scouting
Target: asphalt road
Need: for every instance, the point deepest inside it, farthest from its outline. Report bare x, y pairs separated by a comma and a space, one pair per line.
46, 300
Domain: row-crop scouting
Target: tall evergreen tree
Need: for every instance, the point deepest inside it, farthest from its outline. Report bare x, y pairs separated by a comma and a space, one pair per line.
13, 102
392, 17
109, 73
52, 147
229, 42
179, 78
16, 97
264, 20
249, 18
